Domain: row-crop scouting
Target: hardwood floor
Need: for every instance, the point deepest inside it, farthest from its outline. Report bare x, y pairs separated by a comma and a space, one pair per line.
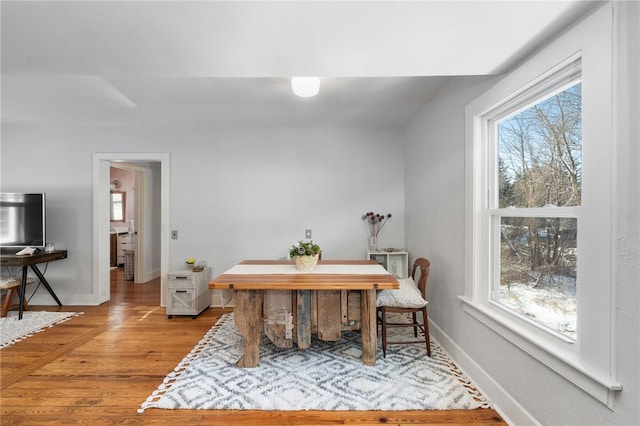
99, 367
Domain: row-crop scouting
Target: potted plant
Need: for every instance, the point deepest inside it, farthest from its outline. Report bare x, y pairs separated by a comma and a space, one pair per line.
305, 255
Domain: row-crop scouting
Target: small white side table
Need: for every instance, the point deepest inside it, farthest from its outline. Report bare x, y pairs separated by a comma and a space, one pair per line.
188, 292
396, 262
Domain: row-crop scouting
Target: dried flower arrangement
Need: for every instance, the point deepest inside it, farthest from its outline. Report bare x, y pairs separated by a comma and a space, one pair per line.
375, 222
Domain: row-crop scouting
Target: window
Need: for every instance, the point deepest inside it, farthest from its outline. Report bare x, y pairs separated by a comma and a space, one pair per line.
533, 218
538, 220
117, 206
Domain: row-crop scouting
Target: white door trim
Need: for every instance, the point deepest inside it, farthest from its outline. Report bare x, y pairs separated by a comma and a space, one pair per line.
101, 166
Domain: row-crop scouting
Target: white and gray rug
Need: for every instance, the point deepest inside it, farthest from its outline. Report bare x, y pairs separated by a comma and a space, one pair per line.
328, 376
13, 330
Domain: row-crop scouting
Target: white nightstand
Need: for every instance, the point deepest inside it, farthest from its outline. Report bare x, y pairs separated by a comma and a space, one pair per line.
188, 292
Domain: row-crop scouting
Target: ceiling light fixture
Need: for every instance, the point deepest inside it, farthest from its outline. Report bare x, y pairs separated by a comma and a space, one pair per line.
305, 87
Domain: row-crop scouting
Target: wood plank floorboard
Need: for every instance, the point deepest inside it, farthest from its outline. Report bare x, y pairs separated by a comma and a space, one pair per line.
97, 368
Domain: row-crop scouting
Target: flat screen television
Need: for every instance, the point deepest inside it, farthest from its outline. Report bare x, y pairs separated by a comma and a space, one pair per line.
23, 220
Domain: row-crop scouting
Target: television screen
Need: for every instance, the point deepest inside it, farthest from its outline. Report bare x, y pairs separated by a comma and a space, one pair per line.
22, 220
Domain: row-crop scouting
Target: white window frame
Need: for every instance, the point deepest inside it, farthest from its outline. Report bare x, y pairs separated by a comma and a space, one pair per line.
588, 362
557, 80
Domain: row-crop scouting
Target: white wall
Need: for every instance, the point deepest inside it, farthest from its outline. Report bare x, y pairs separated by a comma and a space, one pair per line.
526, 391
235, 193
435, 179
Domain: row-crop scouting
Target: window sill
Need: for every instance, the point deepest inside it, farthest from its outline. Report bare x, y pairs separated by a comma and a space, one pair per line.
601, 388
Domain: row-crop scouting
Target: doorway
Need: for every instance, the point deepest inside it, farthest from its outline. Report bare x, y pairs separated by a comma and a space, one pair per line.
144, 238
134, 228
123, 221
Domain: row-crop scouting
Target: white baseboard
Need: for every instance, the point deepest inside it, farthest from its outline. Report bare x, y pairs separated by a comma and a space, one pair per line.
511, 411
150, 275
45, 299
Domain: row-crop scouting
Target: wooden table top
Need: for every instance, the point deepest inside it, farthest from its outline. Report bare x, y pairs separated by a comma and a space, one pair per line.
306, 280
9, 258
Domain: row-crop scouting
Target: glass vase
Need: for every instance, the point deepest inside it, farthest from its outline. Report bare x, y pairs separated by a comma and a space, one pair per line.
373, 242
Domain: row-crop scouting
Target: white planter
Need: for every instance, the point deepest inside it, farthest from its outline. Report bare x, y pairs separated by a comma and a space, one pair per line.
306, 263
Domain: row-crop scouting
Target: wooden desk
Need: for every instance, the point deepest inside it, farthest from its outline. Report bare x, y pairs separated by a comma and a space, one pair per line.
251, 280
9, 258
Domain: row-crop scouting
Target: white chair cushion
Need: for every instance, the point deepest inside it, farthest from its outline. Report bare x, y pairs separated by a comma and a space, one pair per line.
407, 296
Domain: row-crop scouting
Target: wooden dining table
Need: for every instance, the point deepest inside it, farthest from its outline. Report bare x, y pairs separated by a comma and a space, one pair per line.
254, 281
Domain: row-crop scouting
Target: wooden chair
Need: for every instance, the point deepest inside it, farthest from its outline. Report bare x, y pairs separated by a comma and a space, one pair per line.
409, 299
12, 285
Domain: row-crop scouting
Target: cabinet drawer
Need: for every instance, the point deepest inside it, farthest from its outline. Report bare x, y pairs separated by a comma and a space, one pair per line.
179, 281
181, 302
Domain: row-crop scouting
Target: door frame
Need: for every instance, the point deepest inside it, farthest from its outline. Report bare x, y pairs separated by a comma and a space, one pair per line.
101, 218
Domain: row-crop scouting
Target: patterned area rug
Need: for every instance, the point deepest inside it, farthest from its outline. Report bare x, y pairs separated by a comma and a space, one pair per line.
13, 330
327, 376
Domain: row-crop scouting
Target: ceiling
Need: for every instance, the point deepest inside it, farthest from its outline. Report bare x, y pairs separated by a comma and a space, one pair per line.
212, 63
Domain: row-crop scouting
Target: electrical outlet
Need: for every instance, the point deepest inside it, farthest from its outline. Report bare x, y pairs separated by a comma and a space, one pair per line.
307, 234
174, 235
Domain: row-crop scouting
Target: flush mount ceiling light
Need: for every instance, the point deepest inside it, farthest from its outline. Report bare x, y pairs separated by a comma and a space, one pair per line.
305, 87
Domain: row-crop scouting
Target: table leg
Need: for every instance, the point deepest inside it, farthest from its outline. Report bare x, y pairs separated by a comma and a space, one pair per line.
368, 330
45, 283
304, 318
23, 291
247, 315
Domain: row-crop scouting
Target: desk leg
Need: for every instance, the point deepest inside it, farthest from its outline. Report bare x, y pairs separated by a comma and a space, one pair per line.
23, 291
45, 283
368, 330
247, 315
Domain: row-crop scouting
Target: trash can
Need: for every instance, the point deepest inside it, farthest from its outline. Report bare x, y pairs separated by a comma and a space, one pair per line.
128, 264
